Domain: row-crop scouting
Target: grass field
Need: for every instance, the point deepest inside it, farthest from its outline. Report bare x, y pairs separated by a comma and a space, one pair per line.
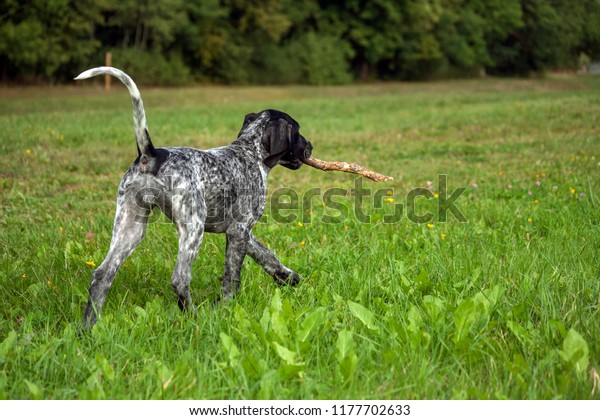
504, 304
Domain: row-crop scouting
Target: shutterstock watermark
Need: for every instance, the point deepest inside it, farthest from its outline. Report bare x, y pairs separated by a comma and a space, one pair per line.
364, 204
330, 206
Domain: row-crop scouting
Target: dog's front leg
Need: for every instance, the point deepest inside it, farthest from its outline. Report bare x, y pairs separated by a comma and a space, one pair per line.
271, 264
236, 248
190, 239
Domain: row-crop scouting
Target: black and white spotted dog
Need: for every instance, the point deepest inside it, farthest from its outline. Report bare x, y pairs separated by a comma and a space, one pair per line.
221, 190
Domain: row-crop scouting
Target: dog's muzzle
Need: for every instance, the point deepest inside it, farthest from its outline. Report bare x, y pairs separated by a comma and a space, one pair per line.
296, 157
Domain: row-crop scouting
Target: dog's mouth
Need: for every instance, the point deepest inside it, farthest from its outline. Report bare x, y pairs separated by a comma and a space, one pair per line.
291, 164
295, 159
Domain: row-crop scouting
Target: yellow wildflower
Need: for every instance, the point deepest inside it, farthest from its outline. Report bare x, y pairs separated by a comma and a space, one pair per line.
49, 283
572, 190
536, 201
91, 263
24, 276
299, 224
436, 195
443, 235
430, 225
28, 151
302, 243
388, 199
529, 220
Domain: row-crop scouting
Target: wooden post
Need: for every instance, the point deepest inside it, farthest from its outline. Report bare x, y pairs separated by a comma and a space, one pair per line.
107, 77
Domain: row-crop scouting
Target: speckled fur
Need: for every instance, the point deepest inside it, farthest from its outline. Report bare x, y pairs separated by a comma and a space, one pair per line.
220, 190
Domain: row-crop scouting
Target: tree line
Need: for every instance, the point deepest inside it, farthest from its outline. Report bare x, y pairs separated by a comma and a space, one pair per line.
294, 41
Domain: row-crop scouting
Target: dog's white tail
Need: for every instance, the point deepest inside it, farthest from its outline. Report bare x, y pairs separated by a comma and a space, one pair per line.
140, 127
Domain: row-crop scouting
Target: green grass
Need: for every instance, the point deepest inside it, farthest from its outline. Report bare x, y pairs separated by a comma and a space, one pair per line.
504, 305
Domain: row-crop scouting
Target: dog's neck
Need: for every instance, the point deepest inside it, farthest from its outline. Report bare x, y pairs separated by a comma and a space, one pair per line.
251, 145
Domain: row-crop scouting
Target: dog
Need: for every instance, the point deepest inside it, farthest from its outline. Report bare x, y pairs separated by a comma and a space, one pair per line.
220, 190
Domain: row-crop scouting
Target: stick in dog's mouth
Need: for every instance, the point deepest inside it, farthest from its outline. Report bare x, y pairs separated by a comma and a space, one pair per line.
350, 167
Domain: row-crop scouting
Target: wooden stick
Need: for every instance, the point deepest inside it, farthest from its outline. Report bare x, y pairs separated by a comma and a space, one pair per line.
351, 167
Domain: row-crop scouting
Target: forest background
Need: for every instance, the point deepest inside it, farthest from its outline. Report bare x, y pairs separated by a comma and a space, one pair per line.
295, 41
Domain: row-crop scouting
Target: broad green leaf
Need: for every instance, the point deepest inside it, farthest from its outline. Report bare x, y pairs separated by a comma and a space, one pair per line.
434, 308
276, 301
488, 298
233, 354
8, 344
242, 318
279, 326
36, 392
364, 315
521, 333
311, 324
287, 311
348, 365
165, 375
254, 366
290, 371
344, 344
422, 281
494, 294
415, 320
255, 330
576, 351
105, 367
141, 312
464, 317
285, 354
265, 320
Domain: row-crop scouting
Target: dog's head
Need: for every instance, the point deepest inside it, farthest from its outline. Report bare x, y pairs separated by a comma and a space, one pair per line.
281, 139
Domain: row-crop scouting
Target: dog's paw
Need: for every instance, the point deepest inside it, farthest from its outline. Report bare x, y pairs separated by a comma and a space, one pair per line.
287, 278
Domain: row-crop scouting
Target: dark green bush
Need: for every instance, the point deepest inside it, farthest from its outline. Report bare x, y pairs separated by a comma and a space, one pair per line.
281, 41
322, 59
152, 68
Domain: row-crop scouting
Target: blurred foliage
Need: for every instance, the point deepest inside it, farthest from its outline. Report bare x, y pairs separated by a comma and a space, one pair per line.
285, 41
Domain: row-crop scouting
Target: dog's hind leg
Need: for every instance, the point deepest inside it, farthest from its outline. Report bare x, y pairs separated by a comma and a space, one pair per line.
271, 264
128, 231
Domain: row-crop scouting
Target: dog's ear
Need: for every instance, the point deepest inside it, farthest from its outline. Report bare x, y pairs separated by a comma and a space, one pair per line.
277, 140
247, 120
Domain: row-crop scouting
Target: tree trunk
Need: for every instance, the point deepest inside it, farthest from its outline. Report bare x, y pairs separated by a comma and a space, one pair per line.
138, 34
145, 32
126, 38
364, 71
